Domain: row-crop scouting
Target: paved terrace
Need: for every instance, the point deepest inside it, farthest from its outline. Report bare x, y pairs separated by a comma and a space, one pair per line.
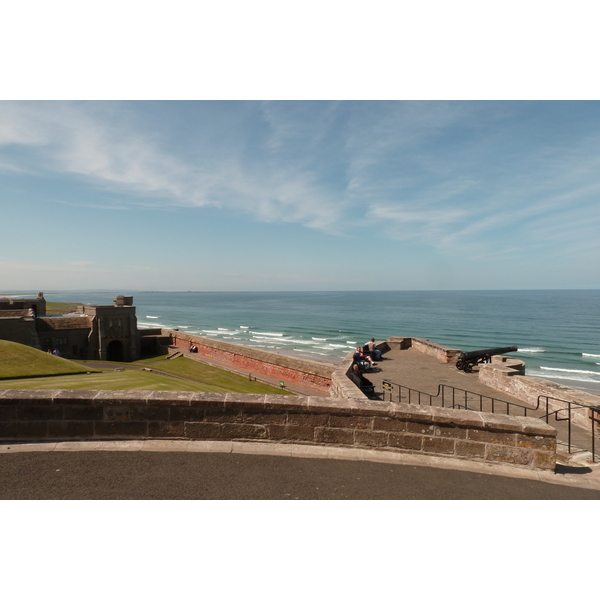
418, 371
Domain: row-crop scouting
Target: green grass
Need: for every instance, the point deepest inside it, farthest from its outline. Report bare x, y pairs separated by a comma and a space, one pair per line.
212, 376
60, 308
131, 379
37, 370
17, 360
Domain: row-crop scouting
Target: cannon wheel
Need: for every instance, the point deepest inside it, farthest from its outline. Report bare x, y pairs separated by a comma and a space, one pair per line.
459, 365
468, 368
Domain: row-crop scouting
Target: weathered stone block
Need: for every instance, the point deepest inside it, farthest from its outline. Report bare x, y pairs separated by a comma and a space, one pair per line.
420, 428
39, 412
143, 412
264, 417
243, 430
162, 398
492, 437
462, 418
331, 435
72, 396
536, 442
370, 438
405, 441
250, 402
412, 412
23, 430
501, 423
383, 424
31, 397
469, 449
208, 399
186, 413
196, 430
329, 405
122, 396
544, 460
438, 445
291, 432
83, 412
351, 421
71, 429
120, 429
533, 426
281, 403
215, 415
517, 456
449, 431
370, 407
166, 429
308, 419
117, 413
8, 413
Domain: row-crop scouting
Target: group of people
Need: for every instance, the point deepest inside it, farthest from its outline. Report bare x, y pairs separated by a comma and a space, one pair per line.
364, 360
366, 355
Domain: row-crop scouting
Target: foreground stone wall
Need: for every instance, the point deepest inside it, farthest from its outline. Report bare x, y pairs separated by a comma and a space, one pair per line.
312, 374
104, 415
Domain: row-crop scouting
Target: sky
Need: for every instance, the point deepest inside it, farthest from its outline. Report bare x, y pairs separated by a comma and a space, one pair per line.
272, 151
299, 195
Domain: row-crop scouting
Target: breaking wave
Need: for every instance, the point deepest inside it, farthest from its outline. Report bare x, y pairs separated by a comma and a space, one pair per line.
531, 350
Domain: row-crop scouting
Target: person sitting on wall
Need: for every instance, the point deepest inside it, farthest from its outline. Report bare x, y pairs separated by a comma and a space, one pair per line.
364, 362
372, 350
362, 382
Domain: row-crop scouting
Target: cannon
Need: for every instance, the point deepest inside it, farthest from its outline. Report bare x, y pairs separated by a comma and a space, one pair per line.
467, 360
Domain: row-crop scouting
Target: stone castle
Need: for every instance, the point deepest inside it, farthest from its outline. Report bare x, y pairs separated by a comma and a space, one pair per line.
93, 332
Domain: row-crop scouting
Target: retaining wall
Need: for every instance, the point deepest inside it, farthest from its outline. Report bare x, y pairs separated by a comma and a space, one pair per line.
312, 374
104, 415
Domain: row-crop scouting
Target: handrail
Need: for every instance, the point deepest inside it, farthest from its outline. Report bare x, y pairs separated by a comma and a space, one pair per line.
389, 387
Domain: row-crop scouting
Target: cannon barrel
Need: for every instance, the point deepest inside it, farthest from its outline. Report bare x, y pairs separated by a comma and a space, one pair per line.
467, 360
490, 352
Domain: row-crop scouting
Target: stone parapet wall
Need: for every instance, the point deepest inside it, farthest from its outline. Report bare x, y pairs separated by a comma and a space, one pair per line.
103, 415
341, 384
443, 354
312, 374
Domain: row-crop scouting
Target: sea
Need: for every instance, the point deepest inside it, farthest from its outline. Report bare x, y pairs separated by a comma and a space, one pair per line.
557, 332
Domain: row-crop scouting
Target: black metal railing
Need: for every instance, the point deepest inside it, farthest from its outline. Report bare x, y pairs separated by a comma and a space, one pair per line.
448, 396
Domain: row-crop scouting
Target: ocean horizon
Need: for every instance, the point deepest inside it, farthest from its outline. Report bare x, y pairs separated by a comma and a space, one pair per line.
557, 332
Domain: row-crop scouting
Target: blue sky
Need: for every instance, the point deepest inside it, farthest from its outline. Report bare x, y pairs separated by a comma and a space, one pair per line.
299, 195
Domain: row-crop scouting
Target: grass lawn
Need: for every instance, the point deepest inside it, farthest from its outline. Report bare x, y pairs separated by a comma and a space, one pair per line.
22, 367
212, 376
17, 360
61, 308
130, 379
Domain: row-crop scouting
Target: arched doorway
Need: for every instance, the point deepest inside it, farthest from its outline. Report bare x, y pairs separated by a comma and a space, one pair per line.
114, 351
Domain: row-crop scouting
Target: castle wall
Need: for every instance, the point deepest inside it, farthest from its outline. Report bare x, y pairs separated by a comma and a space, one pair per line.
301, 371
20, 330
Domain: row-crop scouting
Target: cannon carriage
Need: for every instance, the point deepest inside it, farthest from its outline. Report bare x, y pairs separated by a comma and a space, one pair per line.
467, 360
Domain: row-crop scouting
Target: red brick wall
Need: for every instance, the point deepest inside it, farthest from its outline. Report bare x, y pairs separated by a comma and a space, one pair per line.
258, 362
